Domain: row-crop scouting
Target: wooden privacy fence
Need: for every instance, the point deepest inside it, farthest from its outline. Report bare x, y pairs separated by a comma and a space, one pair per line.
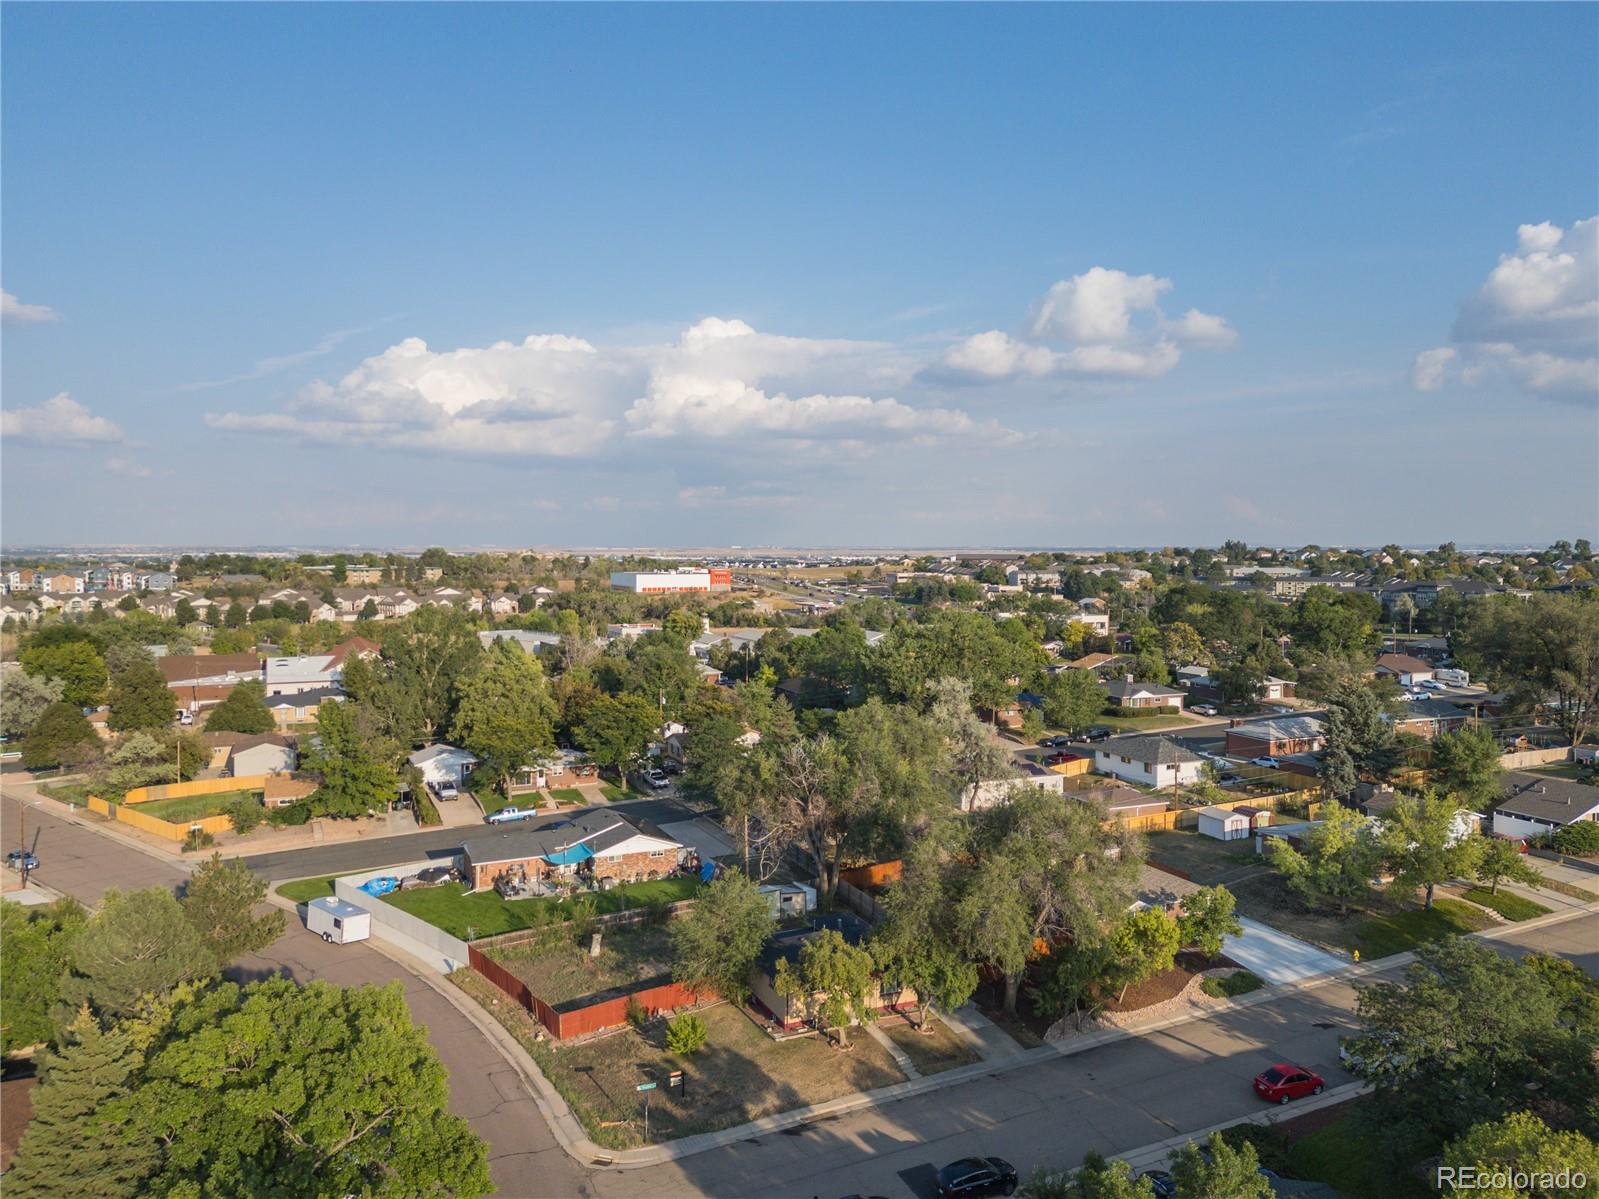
1189, 817
581, 1017
874, 875
861, 902
245, 782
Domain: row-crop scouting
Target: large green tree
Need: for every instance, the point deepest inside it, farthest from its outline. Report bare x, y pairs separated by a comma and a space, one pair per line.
35, 952
919, 945
718, 941
356, 779
428, 653
617, 729
1224, 1172
1482, 1028
1360, 740
82, 1140
1143, 945
220, 900
1466, 764
1427, 840
1044, 871
834, 980
1334, 862
1502, 861
139, 696
62, 736
77, 664
1544, 649
243, 711
138, 943
505, 714
1073, 699
1208, 918
1522, 1144
24, 699
953, 643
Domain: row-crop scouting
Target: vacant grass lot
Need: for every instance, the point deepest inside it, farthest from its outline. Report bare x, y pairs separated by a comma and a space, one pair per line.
73, 793
557, 966
740, 1075
485, 914
933, 1051
1567, 770
1511, 907
1203, 859
303, 890
1341, 1156
194, 807
1380, 936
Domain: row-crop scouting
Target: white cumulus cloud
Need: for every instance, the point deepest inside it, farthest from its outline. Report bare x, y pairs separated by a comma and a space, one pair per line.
14, 312
59, 421
1534, 322
1102, 324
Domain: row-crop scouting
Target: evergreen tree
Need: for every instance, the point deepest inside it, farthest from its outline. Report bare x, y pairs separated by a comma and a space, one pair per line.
79, 1144
62, 736
140, 697
220, 902
139, 943
355, 779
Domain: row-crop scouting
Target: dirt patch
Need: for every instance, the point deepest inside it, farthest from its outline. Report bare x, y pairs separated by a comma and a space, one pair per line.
932, 1049
1200, 859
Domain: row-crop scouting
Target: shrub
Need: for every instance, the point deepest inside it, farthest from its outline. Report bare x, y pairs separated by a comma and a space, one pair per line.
1227, 986
1581, 838
580, 915
295, 814
636, 1015
245, 815
198, 839
686, 1034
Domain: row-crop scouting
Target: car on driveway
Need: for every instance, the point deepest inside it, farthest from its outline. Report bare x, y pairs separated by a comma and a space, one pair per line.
1268, 763
446, 791
510, 814
657, 779
1285, 1081
975, 1176
22, 859
1203, 710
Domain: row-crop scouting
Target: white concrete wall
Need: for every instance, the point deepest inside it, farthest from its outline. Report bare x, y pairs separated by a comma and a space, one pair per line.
401, 929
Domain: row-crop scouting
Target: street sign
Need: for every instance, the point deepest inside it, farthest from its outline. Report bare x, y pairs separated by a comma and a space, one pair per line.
645, 1086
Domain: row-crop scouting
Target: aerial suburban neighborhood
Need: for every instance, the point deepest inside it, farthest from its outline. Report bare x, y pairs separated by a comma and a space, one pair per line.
799, 601
796, 837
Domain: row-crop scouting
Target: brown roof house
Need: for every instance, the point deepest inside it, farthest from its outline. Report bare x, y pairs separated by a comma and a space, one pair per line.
1408, 670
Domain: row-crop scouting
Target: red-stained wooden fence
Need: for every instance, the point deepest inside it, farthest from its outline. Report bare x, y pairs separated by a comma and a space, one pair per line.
590, 1018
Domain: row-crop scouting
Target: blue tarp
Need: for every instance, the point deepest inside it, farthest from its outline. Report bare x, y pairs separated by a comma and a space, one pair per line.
380, 886
707, 871
569, 857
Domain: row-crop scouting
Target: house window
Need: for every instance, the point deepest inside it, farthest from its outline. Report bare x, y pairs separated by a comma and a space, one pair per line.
657, 853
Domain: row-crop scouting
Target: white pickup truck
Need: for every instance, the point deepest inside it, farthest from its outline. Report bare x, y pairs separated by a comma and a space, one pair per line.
511, 813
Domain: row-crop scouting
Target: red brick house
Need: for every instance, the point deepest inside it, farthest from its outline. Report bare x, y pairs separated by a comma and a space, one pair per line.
594, 846
1277, 738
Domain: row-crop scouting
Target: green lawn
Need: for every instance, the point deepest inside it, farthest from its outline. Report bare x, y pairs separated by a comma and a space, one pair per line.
1240, 983
932, 1051
485, 914
303, 889
73, 793
1566, 770
568, 795
1342, 1157
193, 807
1380, 936
492, 801
1135, 724
1511, 907
613, 793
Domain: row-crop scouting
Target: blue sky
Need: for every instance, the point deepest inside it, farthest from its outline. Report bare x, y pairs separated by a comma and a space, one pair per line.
799, 275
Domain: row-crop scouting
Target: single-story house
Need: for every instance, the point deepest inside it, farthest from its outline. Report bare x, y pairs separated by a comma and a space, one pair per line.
1125, 693
1122, 803
1275, 688
787, 946
1277, 737
302, 706
1153, 761
1407, 669
991, 793
1536, 805
443, 763
261, 753
567, 768
314, 672
595, 846
1099, 664
208, 670
1429, 717
1224, 824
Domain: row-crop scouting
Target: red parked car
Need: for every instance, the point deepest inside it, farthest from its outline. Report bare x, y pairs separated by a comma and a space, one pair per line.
1285, 1081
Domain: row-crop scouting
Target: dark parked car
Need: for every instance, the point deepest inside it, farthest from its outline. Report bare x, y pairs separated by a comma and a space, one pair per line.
1285, 1081
1162, 1183
1099, 733
1055, 742
22, 859
977, 1176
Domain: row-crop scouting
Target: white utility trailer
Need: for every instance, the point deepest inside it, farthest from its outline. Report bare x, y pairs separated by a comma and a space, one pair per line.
338, 922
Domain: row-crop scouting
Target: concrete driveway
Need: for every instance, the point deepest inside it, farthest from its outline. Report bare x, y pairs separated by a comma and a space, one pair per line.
1277, 957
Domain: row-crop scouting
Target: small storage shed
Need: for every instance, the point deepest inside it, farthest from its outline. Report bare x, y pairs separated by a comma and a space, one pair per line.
789, 899
1222, 824
338, 922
